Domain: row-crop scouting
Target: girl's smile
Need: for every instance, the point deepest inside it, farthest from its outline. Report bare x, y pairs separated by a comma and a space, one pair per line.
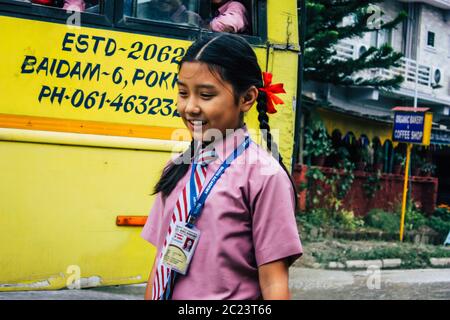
196, 127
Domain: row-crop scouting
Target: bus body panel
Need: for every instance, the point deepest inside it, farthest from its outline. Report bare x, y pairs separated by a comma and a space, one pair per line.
69, 167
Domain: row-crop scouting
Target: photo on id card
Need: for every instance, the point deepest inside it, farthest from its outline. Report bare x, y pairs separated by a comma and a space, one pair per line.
181, 248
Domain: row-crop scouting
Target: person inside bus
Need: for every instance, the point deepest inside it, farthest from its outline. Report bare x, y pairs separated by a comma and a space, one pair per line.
81, 5
229, 16
50, 3
73, 5
168, 10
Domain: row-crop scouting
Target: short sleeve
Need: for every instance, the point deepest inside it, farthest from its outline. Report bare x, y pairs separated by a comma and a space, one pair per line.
275, 233
152, 227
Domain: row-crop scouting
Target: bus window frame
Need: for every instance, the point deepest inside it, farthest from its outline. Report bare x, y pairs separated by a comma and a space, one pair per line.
113, 19
52, 14
187, 32
152, 27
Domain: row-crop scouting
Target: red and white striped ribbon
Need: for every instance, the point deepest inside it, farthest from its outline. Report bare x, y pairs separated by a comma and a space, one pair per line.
180, 214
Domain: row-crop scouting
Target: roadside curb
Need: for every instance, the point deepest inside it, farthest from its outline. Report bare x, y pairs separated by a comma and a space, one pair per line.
440, 262
381, 264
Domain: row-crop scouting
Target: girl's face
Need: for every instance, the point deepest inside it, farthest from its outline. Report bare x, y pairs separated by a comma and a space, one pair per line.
206, 102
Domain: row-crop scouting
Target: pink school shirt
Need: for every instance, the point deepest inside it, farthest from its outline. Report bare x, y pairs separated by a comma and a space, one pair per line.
248, 220
232, 14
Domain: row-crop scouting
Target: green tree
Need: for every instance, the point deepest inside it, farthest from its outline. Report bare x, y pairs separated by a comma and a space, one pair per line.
324, 29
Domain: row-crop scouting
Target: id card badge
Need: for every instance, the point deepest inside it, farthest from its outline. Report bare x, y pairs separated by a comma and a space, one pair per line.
181, 248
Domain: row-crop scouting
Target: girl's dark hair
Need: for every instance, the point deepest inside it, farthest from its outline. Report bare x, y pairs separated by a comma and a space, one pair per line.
231, 57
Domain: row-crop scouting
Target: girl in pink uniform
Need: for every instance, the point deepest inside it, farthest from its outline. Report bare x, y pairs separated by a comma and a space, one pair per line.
249, 236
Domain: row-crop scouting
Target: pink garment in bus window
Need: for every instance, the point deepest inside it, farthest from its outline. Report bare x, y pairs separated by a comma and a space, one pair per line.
74, 5
232, 18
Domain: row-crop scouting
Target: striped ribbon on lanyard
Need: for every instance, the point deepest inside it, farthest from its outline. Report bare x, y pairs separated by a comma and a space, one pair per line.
164, 278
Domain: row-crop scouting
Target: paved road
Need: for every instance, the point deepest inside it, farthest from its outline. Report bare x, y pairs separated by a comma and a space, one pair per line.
305, 284
371, 284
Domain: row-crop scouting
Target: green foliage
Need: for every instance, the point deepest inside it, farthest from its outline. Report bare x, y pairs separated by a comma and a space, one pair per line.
314, 176
378, 156
363, 154
399, 159
346, 219
343, 153
428, 167
324, 30
412, 255
346, 180
442, 213
380, 219
414, 218
326, 218
440, 222
416, 160
315, 217
341, 182
317, 142
390, 222
372, 184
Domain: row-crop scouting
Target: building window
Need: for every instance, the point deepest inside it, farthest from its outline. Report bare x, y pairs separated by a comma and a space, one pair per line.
430, 39
380, 38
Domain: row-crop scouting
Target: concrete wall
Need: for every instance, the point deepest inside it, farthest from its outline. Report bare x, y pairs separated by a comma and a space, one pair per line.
424, 192
434, 19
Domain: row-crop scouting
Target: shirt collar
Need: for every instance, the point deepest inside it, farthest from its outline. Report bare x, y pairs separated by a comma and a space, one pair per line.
225, 146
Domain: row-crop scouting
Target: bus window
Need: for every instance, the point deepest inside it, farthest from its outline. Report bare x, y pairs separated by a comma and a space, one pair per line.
173, 11
213, 15
90, 6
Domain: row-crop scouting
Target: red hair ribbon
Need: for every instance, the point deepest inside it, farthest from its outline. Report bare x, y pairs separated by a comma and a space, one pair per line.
271, 90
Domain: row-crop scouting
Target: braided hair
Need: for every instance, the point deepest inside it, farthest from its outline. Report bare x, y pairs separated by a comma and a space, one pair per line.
234, 60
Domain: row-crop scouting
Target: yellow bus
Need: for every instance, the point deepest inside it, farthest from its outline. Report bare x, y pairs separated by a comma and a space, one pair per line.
88, 119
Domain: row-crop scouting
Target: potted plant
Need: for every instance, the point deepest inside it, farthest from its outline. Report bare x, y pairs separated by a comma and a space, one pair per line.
427, 169
343, 156
416, 164
317, 144
399, 163
378, 158
363, 158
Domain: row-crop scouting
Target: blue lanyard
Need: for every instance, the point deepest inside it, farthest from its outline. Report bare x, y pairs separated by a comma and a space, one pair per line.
197, 205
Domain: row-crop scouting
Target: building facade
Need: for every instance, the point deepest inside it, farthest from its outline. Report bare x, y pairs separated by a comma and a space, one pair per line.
424, 40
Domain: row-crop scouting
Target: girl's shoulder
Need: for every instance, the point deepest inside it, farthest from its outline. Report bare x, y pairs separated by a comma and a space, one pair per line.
266, 181
262, 166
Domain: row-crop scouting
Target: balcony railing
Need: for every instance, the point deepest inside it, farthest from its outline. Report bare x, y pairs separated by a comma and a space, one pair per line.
409, 68
443, 4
